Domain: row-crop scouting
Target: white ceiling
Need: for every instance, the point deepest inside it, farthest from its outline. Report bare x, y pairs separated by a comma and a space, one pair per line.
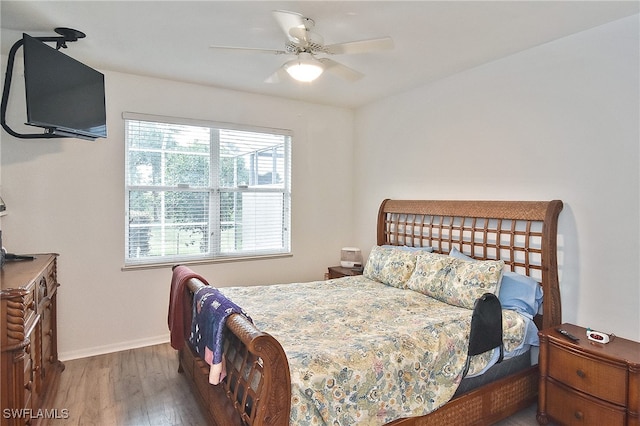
433, 39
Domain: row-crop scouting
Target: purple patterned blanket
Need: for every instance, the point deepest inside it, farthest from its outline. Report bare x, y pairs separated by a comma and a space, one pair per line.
210, 311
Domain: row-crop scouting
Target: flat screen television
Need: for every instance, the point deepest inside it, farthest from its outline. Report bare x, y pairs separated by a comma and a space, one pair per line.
64, 96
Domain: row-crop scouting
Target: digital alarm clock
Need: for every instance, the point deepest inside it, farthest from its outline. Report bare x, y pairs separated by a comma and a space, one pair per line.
596, 336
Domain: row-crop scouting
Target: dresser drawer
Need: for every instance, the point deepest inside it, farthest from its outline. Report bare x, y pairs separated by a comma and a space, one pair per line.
568, 407
42, 288
29, 310
51, 279
47, 356
47, 283
593, 376
27, 377
28, 367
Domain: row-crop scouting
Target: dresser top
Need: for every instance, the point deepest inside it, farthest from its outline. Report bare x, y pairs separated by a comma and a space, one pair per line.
618, 349
19, 274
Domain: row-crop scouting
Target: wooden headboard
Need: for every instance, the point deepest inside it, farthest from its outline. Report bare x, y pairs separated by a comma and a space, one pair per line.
521, 233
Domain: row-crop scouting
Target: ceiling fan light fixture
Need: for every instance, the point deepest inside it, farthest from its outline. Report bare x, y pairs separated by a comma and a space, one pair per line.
304, 68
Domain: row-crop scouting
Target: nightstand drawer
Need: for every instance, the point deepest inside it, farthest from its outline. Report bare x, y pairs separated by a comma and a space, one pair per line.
595, 377
570, 408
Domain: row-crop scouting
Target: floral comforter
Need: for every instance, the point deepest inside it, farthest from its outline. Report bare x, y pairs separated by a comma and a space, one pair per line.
364, 352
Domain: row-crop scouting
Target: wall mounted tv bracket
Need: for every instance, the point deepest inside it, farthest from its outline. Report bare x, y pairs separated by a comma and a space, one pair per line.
66, 34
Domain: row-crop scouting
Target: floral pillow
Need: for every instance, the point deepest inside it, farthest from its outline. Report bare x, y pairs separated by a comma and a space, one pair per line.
390, 265
455, 281
517, 292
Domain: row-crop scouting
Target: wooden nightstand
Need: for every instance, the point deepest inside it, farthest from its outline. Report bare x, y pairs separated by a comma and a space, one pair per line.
588, 383
341, 271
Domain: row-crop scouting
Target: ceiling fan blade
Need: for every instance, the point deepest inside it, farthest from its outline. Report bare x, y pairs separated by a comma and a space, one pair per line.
250, 49
288, 20
298, 34
361, 46
341, 70
277, 76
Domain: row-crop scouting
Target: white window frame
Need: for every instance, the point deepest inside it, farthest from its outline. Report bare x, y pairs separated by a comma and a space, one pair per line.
215, 252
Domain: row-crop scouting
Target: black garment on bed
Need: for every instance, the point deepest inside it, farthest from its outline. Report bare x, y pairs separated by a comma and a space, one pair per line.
486, 327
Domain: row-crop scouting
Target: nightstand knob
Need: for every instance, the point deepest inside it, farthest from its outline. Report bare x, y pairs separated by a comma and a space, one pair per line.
581, 374
578, 415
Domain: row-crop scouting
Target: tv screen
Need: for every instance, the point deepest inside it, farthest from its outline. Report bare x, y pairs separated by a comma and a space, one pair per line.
64, 96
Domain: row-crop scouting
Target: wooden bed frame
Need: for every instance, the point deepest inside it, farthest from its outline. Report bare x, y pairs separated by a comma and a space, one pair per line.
257, 390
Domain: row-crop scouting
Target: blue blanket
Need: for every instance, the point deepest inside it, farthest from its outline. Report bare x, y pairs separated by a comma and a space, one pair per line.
210, 311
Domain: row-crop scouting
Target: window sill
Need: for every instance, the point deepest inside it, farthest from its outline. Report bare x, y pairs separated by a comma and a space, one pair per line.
143, 266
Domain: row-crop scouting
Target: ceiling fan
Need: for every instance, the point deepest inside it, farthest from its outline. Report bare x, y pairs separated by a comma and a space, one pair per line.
305, 45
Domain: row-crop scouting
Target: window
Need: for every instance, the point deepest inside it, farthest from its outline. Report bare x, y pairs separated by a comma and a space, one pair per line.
202, 191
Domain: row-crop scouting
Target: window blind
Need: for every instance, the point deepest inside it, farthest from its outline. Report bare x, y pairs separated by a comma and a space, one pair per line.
197, 191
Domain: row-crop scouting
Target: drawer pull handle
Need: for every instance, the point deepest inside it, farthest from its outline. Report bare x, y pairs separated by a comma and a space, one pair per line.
28, 385
581, 374
578, 415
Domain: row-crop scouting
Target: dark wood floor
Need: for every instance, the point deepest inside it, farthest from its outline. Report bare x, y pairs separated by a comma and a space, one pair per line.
134, 387
141, 387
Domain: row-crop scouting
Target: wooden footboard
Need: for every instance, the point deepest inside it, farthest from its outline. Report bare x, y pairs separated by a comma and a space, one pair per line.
257, 389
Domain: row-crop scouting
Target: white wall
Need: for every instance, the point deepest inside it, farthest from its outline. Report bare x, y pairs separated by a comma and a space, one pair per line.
67, 196
559, 121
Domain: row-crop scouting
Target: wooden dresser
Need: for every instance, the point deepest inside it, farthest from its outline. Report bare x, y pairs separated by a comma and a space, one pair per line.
588, 383
30, 365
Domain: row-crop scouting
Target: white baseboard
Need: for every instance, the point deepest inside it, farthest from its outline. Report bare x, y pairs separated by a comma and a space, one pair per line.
106, 349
